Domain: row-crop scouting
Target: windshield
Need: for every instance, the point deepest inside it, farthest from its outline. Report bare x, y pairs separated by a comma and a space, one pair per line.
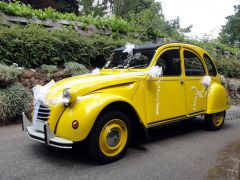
138, 59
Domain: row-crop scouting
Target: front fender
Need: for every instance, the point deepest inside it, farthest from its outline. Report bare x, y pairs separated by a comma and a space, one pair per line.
85, 111
217, 100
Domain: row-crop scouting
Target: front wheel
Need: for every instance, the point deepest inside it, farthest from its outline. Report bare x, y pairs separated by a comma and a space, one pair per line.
214, 121
110, 137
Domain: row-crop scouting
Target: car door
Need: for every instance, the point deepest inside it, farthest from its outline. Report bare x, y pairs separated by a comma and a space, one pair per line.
165, 95
196, 93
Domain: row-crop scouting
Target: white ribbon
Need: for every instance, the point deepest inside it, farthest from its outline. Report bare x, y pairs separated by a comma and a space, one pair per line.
40, 92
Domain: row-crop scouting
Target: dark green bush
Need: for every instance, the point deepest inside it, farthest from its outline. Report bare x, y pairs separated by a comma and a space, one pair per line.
32, 46
9, 74
14, 100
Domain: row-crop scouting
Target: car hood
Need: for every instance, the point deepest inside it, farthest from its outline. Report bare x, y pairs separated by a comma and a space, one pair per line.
85, 84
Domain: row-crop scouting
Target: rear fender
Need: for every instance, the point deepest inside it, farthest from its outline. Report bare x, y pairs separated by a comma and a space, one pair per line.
218, 99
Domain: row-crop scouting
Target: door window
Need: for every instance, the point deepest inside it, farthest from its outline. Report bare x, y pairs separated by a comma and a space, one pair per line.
193, 65
210, 66
170, 62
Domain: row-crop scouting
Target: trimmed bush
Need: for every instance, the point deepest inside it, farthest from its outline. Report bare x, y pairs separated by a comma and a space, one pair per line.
9, 74
74, 68
14, 100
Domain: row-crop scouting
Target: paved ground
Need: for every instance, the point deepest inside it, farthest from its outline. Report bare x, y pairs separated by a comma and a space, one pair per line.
184, 151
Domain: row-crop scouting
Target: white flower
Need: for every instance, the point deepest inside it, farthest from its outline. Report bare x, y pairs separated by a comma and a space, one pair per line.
15, 64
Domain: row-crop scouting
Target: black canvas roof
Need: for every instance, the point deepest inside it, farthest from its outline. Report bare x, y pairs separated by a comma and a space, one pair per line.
145, 46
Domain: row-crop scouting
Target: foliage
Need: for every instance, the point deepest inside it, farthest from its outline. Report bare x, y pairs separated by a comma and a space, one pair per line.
151, 24
234, 84
230, 33
19, 9
75, 68
49, 68
60, 5
32, 46
224, 81
14, 100
9, 74
124, 8
215, 45
227, 67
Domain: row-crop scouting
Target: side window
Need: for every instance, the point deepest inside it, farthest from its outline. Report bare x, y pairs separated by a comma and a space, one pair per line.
210, 66
193, 65
170, 62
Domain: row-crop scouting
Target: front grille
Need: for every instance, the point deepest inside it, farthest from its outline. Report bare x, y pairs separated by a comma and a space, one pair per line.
43, 112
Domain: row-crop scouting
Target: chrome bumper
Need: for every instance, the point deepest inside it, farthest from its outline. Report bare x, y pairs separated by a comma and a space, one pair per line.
46, 137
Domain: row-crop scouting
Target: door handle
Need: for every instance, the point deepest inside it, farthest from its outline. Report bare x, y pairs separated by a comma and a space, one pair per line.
181, 81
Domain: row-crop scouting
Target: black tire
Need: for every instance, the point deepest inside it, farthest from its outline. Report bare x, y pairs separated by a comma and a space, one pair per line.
210, 123
93, 141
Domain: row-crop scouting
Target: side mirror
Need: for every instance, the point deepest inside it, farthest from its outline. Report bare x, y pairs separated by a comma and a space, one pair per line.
155, 71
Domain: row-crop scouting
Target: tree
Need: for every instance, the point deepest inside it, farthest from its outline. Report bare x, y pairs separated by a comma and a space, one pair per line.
123, 8
59, 5
230, 33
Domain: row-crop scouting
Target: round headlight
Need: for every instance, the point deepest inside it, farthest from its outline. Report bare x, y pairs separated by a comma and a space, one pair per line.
66, 96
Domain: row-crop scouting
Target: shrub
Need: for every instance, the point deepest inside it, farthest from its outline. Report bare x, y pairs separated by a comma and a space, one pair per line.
228, 68
224, 81
9, 74
32, 46
75, 68
234, 84
49, 68
14, 100
20, 9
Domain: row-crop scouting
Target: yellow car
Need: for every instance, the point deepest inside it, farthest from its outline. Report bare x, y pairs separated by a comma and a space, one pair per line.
143, 86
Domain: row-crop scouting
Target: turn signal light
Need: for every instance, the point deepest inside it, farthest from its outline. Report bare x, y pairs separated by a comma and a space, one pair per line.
75, 124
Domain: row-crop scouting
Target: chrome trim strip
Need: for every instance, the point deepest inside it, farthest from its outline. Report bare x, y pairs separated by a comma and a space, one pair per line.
25, 122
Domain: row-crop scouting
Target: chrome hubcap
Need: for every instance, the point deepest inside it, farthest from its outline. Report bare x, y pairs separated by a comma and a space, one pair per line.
113, 137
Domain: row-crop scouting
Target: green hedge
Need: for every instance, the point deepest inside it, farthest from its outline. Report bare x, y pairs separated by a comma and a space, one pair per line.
32, 46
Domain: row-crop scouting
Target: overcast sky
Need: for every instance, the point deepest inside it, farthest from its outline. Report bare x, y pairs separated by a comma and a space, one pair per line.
206, 16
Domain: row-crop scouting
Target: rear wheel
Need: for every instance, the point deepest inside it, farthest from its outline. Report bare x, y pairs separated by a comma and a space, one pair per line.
110, 137
214, 121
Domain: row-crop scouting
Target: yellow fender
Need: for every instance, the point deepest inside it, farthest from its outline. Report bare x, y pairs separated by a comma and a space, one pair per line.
217, 100
85, 111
